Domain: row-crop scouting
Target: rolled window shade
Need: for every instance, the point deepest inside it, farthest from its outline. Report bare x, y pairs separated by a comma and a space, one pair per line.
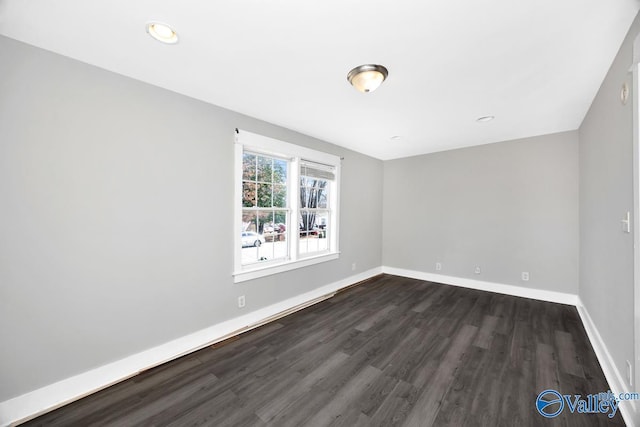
317, 170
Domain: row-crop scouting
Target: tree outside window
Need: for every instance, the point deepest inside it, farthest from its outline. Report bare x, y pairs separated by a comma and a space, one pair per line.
264, 206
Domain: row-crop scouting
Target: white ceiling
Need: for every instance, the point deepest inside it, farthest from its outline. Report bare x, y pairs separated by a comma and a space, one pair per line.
534, 64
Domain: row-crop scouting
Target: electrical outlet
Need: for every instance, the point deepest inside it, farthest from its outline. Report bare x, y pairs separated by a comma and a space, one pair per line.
629, 373
525, 276
477, 270
241, 301
353, 267
438, 266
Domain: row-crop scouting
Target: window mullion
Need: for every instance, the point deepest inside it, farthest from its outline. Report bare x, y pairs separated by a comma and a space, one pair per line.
293, 233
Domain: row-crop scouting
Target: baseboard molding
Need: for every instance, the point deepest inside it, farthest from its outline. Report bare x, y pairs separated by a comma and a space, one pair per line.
628, 409
50, 397
518, 291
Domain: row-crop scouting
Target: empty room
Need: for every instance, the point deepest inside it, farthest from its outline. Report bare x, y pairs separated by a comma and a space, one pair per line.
254, 213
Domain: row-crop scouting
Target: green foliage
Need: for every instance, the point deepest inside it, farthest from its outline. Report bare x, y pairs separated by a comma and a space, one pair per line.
264, 185
264, 181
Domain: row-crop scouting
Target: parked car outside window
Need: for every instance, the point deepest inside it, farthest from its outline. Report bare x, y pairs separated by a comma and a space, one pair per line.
249, 238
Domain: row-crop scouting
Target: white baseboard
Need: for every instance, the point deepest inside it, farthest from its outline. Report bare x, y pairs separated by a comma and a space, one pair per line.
518, 291
52, 396
628, 409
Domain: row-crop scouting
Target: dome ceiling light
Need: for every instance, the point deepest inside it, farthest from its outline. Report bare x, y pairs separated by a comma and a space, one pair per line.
367, 78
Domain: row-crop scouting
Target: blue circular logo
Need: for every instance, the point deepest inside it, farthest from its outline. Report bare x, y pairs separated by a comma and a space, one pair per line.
549, 403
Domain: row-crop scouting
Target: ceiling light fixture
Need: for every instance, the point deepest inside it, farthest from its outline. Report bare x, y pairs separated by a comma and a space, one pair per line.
484, 119
162, 32
367, 78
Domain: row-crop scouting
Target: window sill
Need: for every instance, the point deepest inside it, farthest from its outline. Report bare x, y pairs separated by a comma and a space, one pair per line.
255, 273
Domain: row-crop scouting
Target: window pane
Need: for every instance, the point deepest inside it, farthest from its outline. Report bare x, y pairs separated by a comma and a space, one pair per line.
265, 225
322, 222
313, 192
280, 218
275, 236
265, 169
305, 193
249, 221
307, 219
279, 196
323, 243
248, 194
249, 237
322, 196
303, 246
250, 252
253, 240
279, 171
314, 231
270, 241
249, 167
322, 219
265, 194
264, 218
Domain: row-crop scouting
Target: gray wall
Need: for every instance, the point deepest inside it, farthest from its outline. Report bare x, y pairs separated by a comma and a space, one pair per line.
508, 207
116, 213
606, 194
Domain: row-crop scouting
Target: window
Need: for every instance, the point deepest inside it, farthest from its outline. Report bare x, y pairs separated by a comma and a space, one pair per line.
264, 208
315, 208
286, 206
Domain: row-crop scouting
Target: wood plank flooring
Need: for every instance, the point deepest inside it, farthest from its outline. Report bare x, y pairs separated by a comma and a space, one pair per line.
393, 351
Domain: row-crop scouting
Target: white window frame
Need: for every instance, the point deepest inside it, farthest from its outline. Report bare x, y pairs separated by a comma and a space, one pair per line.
251, 142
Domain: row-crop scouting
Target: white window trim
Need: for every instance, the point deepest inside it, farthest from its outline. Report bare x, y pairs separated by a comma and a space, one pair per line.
272, 147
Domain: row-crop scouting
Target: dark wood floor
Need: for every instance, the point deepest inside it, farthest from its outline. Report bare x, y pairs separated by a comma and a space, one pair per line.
393, 351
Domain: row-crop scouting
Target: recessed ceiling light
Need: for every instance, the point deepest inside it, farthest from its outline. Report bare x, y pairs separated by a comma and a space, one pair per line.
162, 32
367, 78
484, 119
396, 137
